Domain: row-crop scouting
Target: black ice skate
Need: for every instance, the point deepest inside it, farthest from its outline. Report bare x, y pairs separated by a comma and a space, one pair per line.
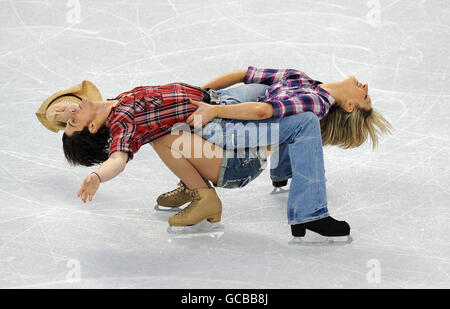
330, 230
277, 187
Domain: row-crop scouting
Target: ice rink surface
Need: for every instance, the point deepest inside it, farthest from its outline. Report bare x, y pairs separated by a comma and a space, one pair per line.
395, 198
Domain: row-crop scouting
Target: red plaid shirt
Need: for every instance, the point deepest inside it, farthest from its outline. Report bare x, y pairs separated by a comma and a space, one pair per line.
148, 112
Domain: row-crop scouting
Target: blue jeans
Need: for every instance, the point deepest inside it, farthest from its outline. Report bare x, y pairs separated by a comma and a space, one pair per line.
281, 169
238, 171
300, 141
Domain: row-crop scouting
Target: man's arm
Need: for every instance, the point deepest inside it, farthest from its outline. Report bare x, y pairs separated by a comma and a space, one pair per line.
243, 111
226, 80
108, 170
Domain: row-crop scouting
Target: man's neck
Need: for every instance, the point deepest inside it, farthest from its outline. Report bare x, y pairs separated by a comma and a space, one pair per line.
336, 90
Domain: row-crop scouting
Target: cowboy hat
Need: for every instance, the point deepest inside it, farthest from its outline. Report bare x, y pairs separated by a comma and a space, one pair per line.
47, 111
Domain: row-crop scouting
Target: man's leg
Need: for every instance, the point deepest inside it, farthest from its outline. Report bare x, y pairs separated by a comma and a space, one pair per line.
213, 131
307, 203
302, 143
307, 195
281, 170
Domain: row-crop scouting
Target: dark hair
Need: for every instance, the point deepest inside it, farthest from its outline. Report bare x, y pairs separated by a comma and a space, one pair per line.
85, 148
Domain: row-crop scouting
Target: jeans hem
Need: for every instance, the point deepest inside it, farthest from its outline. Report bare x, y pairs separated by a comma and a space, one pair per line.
292, 222
223, 167
280, 178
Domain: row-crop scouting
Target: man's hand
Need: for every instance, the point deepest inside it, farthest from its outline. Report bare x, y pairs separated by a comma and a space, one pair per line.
63, 112
205, 112
89, 187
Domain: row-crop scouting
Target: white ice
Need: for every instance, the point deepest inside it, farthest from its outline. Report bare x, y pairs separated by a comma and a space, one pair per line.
395, 198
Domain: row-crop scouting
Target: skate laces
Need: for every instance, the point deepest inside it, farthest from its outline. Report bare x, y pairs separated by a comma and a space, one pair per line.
195, 197
181, 189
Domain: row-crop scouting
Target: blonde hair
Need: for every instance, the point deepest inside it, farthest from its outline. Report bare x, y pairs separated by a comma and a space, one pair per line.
349, 130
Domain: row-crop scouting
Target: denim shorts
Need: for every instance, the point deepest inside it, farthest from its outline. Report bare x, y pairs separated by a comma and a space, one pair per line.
239, 167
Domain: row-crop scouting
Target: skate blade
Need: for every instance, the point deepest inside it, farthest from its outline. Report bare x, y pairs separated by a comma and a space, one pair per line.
168, 209
279, 191
319, 240
202, 229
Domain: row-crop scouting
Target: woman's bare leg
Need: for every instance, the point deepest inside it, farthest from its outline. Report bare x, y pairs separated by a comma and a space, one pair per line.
190, 157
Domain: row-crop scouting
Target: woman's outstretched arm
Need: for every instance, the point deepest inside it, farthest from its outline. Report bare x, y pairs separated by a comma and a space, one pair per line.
109, 169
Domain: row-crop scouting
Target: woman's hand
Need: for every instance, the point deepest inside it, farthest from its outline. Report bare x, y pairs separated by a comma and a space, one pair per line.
205, 112
89, 187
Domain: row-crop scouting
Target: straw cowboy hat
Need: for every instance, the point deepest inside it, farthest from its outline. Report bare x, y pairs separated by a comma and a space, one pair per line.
47, 112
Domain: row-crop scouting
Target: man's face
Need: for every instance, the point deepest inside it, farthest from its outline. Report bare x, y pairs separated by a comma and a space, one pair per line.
358, 93
78, 116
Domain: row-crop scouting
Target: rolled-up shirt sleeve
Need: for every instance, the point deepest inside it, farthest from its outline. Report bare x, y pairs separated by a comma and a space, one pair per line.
122, 135
299, 104
268, 76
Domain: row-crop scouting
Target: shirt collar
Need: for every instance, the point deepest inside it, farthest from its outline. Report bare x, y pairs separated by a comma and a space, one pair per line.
324, 93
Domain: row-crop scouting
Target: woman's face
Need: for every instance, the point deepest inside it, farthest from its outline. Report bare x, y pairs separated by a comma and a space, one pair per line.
78, 116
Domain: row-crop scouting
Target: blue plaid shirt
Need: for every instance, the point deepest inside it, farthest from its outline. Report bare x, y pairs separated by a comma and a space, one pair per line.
291, 92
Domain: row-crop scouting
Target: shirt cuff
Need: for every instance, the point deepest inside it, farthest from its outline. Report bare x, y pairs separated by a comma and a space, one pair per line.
250, 75
123, 149
279, 110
